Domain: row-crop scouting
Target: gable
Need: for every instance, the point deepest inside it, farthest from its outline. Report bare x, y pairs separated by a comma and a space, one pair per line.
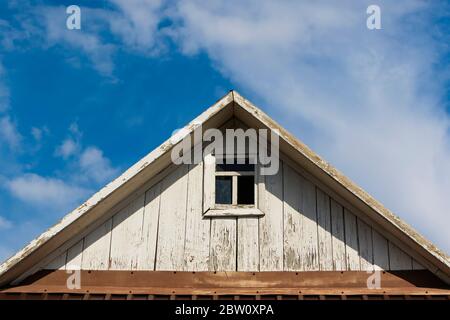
150, 219
303, 229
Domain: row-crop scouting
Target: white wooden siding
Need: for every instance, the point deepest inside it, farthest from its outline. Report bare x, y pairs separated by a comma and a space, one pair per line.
223, 244
303, 229
351, 241
172, 223
365, 246
380, 251
126, 237
338, 236
149, 234
292, 220
196, 251
324, 231
248, 244
398, 260
271, 224
74, 256
96, 250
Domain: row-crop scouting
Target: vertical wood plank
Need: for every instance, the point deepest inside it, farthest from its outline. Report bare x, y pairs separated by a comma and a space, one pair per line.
126, 238
96, 248
324, 231
59, 263
417, 266
351, 241
308, 235
74, 256
172, 220
147, 249
365, 245
380, 251
271, 224
338, 236
223, 244
398, 260
292, 220
196, 253
209, 180
248, 244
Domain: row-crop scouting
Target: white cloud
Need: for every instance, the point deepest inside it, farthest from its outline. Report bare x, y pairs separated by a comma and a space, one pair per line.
84, 170
46, 192
9, 134
68, 148
88, 165
4, 91
71, 146
369, 101
90, 43
133, 23
39, 133
137, 24
5, 223
94, 165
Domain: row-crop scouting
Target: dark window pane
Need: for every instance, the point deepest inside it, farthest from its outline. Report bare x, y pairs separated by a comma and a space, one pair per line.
235, 166
224, 190
246, 190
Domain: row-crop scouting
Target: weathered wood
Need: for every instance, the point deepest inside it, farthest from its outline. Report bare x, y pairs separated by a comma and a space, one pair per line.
398, 260
380, 251
308, 234
338, 236
417, 266
351, 241
314, 234
292, 220
75, 256
147, 247
324, 231
365, 245
59, 263
271, 225
153, 282
248, 244
196, 252
223, 244
237, 211
172, 221
97, 247
209, 181
126, 237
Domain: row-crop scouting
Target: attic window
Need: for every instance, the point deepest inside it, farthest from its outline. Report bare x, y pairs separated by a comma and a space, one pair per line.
235, 183
230, 187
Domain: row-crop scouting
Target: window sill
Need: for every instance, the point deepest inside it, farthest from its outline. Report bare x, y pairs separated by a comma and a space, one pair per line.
233, 211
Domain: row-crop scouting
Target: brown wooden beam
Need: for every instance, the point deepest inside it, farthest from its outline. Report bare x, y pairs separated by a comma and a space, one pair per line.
346, 283
177, 279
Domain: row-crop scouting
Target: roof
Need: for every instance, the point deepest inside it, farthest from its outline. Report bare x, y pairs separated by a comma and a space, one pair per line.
153, 163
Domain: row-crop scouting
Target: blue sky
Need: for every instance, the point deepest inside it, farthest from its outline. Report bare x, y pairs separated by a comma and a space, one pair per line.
77, 107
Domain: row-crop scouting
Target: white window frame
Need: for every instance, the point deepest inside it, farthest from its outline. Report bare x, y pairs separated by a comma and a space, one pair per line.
211, 209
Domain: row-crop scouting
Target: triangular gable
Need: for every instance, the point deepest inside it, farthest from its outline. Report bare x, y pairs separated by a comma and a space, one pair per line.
151, 165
